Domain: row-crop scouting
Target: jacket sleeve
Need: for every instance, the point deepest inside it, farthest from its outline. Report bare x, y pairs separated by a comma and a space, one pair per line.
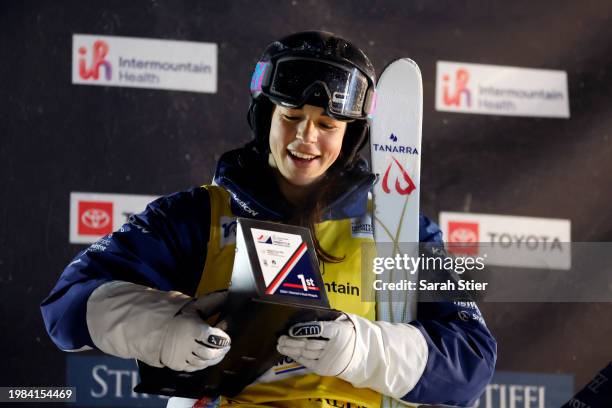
164, 247
461, 349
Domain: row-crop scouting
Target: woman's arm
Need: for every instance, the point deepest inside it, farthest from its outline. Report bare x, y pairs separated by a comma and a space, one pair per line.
164, 248
447, 356
461, 351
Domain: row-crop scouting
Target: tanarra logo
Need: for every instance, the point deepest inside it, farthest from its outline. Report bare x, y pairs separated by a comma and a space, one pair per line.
394, 148
100, 50
407, 189
461, 91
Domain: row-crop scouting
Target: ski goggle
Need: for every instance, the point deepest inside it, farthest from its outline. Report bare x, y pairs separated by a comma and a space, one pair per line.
293, 81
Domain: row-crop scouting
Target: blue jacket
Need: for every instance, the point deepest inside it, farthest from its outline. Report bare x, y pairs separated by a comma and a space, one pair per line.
170, 255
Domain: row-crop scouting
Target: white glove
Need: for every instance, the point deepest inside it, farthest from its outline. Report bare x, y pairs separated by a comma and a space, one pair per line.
189, 343
159, 328
386, 357
324, 347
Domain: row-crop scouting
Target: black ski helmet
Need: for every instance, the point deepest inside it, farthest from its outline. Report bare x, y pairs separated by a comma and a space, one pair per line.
321, 69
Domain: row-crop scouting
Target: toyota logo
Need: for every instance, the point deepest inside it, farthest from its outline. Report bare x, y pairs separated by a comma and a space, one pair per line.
95, 218
463, 235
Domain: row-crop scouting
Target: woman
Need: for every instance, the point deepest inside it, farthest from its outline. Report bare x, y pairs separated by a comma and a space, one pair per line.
132, 294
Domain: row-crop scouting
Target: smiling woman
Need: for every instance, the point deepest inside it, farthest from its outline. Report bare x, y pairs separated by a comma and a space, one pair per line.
141, 296
304, 143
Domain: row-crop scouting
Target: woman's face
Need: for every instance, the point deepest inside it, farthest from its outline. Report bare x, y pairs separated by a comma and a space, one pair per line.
304, 143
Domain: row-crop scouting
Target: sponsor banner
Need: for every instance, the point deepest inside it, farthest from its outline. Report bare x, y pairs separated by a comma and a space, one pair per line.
94, 215
501, 90
526, 390
511, 241
144, 63
104, 381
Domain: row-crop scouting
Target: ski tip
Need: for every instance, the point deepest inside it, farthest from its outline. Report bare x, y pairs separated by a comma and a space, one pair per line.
403, 68
403, 64
403, 60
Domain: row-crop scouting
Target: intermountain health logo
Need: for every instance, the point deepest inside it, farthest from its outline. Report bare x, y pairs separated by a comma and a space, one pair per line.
99, 51
103, 60
460, 94
501, 90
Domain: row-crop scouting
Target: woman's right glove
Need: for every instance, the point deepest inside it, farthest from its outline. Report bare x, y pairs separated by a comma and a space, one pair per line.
162, 329
386, 357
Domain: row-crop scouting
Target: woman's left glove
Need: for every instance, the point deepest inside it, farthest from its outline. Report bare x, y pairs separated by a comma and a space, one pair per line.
163, 329
386, 357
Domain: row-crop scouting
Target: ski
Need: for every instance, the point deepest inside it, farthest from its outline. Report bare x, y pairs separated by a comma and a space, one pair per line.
396, 160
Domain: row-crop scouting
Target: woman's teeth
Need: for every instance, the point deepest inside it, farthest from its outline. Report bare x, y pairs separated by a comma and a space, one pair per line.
302, 155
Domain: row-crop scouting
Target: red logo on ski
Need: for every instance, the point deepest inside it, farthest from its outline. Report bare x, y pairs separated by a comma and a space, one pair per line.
398, 187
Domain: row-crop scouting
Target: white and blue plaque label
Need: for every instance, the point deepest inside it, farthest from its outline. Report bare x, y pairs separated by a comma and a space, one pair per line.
286, 265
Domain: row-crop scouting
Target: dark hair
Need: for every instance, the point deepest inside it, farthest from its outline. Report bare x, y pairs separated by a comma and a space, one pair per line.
335, 180
311, 212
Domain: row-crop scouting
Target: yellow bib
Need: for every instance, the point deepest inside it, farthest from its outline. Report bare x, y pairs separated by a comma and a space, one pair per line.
288, 384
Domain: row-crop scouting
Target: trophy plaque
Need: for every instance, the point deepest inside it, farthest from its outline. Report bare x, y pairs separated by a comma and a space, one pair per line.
275, 284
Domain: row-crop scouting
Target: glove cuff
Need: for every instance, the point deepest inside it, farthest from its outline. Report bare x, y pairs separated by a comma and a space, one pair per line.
389, 357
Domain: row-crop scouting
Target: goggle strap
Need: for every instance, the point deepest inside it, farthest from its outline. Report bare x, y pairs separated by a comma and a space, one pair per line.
370, 103
261, 76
